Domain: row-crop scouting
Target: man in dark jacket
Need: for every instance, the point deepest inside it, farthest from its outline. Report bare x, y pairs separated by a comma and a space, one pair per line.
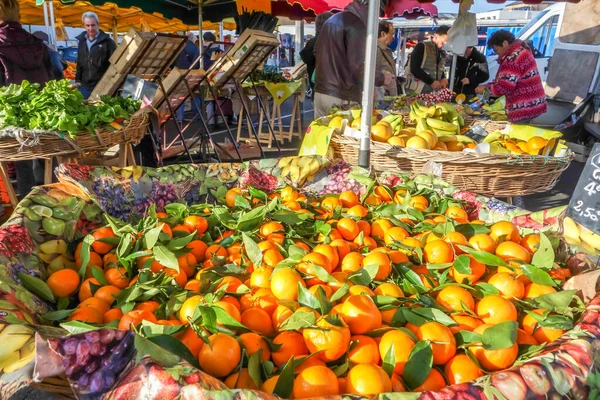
340, 52
95, 49
427, 61
308, 52
189, 54
471, 71
22, 57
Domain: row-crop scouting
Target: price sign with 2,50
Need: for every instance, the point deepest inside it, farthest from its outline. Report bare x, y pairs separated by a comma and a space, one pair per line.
584, 206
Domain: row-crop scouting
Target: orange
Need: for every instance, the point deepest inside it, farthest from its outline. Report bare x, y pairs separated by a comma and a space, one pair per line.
87, 314
292, 344
365, 228
477, 271
329, 340
240, 380
357, 211
196, 223
417, 142
181, 228
270, 228
102, 233
383, 262
465, 322
493, 309
367, 380
107, 294
215, 250
230, 284
258, 320
197, 249
534, 290
456, 239
349, 199
63, 283
253, 343
461, 369
457, 214
494, 360
269, 385
361, 314
220, 357
114, 314
284, 283
442, 341
483, 242
191, 340
438, 252
541, 334
508, 285
85, 291
403, 344
308, 263
513, 251
352, 262
525, 338
397, 385
272, 257
330, 252
395, 234
110, 260
188, 307
455, 298
342, 247
167, 230
134, 318
419, 202
388, 289
231, 195
379, 227
531, 243
331, 203
505, 229
260, 277
187, 263
315, 381
289, 194
434, 382
383, 192
364, 350
348, 228
307, 363
230, 309
117, 277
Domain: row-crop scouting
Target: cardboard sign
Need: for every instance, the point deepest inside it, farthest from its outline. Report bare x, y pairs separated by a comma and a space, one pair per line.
584, 206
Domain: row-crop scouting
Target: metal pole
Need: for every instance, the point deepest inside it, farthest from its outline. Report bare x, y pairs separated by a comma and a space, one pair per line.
453, 72
52, 23
46, 23
200, 40
114, 31
299, 42
221, 35
364, 154
399, 64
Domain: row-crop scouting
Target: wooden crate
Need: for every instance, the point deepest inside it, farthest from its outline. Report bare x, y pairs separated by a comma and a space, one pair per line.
146, 55
248, 52
175, 85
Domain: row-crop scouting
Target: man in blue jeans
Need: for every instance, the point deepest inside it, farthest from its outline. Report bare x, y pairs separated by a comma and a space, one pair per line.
95, 49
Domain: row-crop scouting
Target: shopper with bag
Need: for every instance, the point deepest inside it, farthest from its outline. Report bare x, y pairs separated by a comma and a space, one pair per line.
427, 62
518, 79
471, 71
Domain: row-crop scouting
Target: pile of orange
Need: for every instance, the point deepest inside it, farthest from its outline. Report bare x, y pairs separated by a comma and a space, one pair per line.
351, 301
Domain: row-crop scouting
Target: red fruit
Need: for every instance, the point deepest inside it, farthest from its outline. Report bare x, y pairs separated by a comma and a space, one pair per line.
128, 391
162, 376
193, 378
510, 384
535, 378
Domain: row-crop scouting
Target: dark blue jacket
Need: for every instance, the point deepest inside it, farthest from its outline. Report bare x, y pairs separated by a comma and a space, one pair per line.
188, 55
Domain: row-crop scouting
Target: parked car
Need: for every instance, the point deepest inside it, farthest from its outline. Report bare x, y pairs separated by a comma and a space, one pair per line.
68, 53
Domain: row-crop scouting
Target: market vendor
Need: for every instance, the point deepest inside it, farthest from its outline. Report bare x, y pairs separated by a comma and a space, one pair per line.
95, 49
22, 57
427, 61
518, 79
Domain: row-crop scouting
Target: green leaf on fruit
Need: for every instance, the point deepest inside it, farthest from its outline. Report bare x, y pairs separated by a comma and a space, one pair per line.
166, 257
285, 382
558, 301
254, 367
36, 286
290, 217
484, 257
85, 254
433, 314
75, 327
151, 237
500, 336
157, 350
299, 320
462, 264
180, 242
57, 315
419, 363
470, 230
389, 360
544, 256
252, 219
306, 298
252, 249
537, 275
464, 337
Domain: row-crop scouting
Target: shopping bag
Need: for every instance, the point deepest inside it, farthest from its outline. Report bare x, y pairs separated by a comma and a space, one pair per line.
463, 33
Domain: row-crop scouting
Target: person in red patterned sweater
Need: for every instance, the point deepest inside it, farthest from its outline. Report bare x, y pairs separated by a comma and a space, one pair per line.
518, 79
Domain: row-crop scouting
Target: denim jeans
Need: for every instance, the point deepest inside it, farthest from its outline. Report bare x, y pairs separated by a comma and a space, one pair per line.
86, 91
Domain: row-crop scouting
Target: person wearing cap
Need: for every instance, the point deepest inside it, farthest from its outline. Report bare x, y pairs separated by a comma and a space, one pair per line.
58, 64
95, 49
23, 57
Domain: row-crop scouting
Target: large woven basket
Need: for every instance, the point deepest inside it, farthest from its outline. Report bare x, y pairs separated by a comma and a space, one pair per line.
47, 145
495, 175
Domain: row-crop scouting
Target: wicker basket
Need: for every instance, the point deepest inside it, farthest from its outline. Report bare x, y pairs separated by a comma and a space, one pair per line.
51, 145
495, 175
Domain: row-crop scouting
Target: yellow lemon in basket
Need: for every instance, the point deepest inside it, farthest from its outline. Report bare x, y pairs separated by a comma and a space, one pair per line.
336, 122
441, 146
535, 144
384, 123
408, 132
381, 133
355, 123
397, 141
523, 147
430, 136
455, 146
417, 142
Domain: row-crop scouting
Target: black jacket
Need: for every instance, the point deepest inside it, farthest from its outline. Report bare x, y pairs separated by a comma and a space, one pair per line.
473, 67
91, 65
340, 52
308, 56
416, 59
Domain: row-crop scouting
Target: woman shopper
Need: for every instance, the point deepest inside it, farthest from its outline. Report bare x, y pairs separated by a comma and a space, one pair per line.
518, 79
23, 57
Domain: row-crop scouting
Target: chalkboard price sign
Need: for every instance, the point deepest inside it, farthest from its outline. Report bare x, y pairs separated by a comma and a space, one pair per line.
584, 206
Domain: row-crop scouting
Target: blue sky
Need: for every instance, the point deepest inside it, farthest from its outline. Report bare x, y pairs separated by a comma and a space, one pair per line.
447, 6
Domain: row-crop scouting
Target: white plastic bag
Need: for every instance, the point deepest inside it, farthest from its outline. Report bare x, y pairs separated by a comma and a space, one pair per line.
464, 30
